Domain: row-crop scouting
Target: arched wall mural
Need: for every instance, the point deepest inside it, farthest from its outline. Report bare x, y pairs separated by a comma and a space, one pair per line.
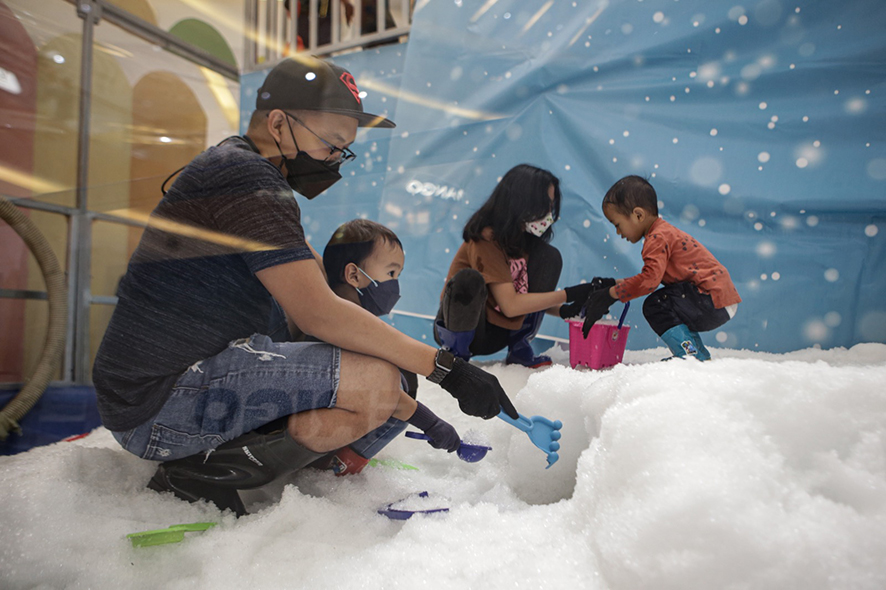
204, 36
140, 8
18, 96
169, 129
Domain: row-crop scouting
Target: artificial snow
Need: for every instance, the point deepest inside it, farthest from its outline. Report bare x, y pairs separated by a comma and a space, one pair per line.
753, 470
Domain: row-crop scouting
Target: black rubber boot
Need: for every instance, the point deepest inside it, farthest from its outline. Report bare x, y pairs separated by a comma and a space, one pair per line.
249, 461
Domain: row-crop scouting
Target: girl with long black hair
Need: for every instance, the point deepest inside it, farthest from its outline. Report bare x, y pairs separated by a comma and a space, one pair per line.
503, 277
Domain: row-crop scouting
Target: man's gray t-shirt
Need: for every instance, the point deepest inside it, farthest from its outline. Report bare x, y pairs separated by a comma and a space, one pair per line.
190, 287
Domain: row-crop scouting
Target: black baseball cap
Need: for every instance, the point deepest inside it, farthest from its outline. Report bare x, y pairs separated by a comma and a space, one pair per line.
312, 84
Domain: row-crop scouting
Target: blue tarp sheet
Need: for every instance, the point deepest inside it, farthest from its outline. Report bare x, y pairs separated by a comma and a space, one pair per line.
761, 126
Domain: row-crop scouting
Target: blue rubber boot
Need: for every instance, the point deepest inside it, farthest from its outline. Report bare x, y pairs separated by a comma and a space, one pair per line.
519, 344
458, 343
703, 353
679, 339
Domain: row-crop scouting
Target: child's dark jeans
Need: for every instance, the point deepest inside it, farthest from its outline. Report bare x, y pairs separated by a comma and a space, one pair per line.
682, 303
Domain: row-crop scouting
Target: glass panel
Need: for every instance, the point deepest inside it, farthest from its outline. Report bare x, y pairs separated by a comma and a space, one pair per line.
99, 316
40, 61
112, 244
152, 112
37, 322
208, 24
20, 269
23, 322
12, 326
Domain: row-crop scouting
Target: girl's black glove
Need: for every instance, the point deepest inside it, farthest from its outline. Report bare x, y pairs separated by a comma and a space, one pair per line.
440, 433
597, 305
478, 393
578, 296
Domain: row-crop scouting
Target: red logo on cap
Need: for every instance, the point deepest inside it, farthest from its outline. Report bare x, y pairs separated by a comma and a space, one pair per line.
349, 81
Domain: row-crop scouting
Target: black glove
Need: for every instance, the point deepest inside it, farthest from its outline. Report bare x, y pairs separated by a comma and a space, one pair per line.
440, 433
602, 283
578, 295
597, 305
478, 393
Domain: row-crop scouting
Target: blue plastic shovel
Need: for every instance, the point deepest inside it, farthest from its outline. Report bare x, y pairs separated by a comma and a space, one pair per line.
542, 432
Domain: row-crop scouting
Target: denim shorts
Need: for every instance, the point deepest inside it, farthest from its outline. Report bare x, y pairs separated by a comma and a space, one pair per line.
252, 382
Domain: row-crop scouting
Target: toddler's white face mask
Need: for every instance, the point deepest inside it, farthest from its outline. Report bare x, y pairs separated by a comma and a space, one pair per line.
540, 226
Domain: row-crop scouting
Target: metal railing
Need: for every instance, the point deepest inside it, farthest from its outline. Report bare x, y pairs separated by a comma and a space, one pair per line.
318, 27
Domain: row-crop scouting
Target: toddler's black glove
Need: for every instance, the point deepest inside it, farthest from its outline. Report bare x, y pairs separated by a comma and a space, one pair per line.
597, 305
602, 283
441, 433
478, 393
578, 295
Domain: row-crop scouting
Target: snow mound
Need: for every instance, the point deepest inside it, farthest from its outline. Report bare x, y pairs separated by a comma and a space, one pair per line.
753, 470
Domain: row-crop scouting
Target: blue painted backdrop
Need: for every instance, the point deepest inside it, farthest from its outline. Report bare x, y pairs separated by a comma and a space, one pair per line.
761, 126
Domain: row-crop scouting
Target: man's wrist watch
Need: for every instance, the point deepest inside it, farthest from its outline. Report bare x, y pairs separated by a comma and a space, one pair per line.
443, 363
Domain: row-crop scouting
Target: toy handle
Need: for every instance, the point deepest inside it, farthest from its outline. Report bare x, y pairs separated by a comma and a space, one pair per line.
624, 312
522, 422
418, 435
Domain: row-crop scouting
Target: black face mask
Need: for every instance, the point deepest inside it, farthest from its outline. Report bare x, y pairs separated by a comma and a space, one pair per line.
308, 176
379, 298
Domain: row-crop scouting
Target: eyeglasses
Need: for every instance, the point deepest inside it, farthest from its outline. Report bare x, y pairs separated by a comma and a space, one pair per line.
336, 154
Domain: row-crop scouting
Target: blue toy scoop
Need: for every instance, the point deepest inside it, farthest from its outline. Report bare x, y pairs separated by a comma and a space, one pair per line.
420, 503
466, 452
542, 432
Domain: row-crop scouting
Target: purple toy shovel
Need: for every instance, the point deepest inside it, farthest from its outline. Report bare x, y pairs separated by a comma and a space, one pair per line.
542, 432
466, 452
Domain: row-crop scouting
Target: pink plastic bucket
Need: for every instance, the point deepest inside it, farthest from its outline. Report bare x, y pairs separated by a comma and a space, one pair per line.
604, 346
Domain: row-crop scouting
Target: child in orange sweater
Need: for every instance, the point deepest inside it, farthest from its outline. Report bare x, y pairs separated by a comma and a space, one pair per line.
698, 295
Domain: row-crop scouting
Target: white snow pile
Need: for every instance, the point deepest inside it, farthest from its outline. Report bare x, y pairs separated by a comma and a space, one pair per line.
753, 470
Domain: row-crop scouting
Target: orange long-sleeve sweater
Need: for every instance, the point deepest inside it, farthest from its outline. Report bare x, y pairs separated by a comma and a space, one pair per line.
673, 256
